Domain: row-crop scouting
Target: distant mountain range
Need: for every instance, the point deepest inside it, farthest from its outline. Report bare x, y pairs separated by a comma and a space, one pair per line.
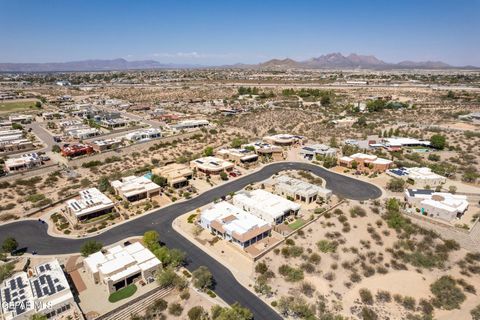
352, 61
90, 65
328, 61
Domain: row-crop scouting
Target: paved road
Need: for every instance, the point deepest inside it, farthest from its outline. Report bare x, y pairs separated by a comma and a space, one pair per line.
43, 135
33, 235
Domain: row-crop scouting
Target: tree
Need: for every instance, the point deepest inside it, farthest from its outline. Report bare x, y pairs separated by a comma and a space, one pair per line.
237, 142
396, 185
438, 141
235, 312
223, 176
197, 313
330, 162
17, 126
9, 244
161, 181
361, 122
208, 152
56, 148
150, 239
158, 305
89, 247
177, 257
104, 184
38, 105
175, 309
202, 278
168, 277
6, 270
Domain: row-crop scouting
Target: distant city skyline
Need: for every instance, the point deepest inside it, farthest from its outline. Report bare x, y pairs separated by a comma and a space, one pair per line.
229, 32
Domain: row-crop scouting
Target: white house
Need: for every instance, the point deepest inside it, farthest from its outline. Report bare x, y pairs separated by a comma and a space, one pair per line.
265, 205
122, 266
43, 290
234, 224
441, 205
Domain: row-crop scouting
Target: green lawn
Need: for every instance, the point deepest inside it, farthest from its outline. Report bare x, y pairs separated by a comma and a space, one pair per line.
123, 293
17, 105
297, 224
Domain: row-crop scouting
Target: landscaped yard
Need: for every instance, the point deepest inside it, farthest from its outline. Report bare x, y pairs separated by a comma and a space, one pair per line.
297, 224
123, 293
16, 106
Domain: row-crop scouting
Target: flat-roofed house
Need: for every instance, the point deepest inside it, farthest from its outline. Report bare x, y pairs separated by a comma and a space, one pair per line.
266, 150
298, 190
190, 124
283, 139
135, 188
105, 144
122, 266
91, 203
177, 175
365, 162
211, 165
239, 156
144, 135
313, 150
43, 290
421, 177
24, 162
234, 224
441, 205
265, 205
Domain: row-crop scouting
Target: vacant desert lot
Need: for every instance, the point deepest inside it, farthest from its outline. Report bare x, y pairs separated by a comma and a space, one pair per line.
17, 105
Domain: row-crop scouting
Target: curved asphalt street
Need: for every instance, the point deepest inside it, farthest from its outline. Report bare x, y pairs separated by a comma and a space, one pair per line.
32, 235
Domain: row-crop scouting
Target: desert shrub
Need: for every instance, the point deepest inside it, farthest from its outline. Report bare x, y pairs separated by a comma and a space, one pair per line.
357, 211
290, 274
409, 303
326, 246
175, 309
368, 314
366, 296
307, 288
383, 296
447, 295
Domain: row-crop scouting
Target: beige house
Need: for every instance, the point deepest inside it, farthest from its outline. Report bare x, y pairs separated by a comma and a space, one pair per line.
135, 188
238, 156
177, 175
211, 165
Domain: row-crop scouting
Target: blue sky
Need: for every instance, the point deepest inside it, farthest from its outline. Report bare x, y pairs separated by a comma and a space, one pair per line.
221, 32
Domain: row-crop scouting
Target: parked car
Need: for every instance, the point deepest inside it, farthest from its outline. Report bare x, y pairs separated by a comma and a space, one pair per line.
57, 139
232, 174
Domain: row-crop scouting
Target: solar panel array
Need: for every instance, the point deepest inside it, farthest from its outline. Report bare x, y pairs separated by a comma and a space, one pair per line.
14, 295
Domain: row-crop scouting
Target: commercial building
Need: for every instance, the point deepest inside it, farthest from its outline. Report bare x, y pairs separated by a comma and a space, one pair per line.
265, 205
122, 266
211, 165
144, 135
266, 150
298, 190
41, 290
441, 205
238, 156
190, 124
365, 162
105, 144
177, 175
313, 150
283, 139
24, 162
421, 177
135, 188
76, 150
234, 224
91, 203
